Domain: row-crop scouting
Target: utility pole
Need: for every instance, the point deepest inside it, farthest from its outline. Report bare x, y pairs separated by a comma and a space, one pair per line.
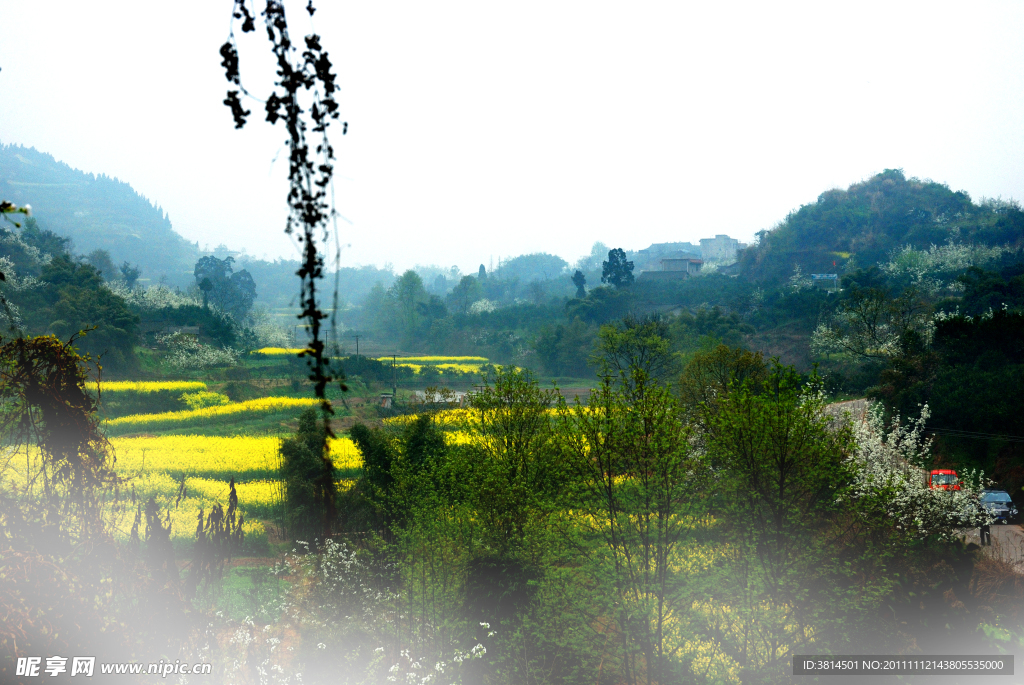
357, 344
394, 380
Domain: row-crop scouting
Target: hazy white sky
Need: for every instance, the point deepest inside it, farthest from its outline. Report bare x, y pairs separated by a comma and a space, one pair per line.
480, 130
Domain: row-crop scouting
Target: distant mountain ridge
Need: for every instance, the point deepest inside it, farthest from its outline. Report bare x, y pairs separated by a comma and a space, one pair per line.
97, 212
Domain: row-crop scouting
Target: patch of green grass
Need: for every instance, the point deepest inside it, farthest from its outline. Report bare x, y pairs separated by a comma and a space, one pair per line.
252, 591
276, 424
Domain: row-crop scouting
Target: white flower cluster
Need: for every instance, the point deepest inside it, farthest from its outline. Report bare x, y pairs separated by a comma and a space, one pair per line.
186, 352
339, 594
955, 314
798, 281
13, 283
415, 674
15, 243
933, 269
11, 279
889, 471
153, 297
843, 333
481, 306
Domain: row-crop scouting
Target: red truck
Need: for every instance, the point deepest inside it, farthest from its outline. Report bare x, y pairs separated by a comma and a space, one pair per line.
943, 479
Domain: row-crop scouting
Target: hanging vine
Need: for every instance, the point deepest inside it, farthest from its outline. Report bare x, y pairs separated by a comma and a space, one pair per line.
310, 168
304, 100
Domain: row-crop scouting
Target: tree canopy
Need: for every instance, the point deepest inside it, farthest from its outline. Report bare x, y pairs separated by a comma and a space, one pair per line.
231, 292
617, 271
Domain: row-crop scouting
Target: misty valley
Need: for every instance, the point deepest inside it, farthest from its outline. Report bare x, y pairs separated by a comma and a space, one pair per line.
678, 463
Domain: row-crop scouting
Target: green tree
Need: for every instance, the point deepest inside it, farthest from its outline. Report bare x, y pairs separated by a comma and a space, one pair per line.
638, 342
409, 297
79, 302
377, 310
991, 290
101, 261
519, 473
129, 273
378, 454
617, 271
642, 490
230, 291
602, 305
539, 266
690, 332
565, 349
870, 321
712, 374
397, 469
580, 281
310, 479
465, 293
784, 470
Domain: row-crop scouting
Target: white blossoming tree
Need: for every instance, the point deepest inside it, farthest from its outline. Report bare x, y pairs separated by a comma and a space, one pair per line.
936, 268
186, 352
872, 324
889, 478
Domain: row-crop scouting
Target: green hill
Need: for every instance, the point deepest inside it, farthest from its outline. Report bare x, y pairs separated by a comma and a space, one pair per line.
96, 212
860, 226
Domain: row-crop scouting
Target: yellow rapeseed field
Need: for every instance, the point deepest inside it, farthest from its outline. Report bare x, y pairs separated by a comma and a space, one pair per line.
240, 457
243, 458
264, 405
183, 519
461, 364
438, 360
462, 368
148, 386
155, 466
447, 419
279, 350
415, 367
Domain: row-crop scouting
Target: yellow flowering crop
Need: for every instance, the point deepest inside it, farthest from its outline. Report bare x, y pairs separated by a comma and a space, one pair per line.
279, 350
438, 360
155, 466
462, 368
201, 399
345, 455
243, 458
264, 405
148, 386
183, 519
694, 559
448, 418
415, 367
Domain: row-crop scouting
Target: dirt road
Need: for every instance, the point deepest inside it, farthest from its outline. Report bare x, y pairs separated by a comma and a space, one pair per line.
1007, 543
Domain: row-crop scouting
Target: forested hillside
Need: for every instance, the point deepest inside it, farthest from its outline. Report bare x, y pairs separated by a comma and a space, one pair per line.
860, 226
97, 213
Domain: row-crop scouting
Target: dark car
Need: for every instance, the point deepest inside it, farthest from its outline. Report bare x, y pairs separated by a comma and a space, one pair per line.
999, 505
